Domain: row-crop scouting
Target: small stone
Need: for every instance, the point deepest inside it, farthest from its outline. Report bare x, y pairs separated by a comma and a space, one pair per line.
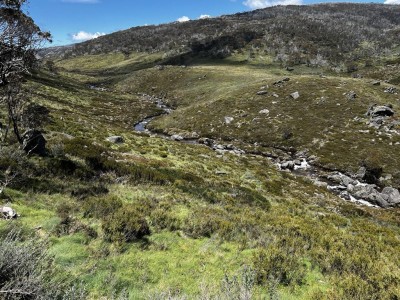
116, 139
228, 120
260, 93
295, 95
264, 111
351, 95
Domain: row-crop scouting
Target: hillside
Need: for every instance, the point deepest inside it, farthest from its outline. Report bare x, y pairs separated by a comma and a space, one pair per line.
251, 156
318, 35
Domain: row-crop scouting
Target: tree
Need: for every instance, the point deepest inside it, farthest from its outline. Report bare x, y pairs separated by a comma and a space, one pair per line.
20, 37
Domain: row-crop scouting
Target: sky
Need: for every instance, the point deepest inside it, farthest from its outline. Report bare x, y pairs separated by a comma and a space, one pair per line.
72, 21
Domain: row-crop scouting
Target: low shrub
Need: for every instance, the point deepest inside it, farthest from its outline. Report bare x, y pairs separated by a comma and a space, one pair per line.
206, 221
127, 224
101, 207
163, 218
84, 191
281, 261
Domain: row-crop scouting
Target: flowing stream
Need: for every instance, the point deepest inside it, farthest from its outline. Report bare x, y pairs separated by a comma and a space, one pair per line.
298, 166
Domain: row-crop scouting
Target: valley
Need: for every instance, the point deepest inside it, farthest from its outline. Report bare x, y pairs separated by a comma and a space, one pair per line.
193, 176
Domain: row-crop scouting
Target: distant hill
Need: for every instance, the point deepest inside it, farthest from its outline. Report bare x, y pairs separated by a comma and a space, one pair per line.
323, 34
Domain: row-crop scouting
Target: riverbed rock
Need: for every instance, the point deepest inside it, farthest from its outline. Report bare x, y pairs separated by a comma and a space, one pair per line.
206, 141
393, 195
115, 139
177, 137
346, 180
361, 173
288, 165
378, 199
363, 191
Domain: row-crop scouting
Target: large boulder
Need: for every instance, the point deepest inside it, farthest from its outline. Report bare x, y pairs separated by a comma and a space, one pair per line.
33, 142
7, 212
393, 195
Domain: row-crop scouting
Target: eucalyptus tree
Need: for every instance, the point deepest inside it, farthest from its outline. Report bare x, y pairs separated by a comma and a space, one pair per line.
20, 37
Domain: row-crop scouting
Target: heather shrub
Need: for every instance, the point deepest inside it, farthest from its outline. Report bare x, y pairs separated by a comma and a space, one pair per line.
127, 224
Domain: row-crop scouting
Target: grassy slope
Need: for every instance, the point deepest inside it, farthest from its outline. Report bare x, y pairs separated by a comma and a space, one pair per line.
211, 225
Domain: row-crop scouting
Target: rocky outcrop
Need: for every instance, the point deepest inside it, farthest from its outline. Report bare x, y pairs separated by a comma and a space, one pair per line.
380, 111
379, 116
33, 142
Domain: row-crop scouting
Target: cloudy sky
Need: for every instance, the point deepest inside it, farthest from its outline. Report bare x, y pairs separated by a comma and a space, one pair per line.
72, 21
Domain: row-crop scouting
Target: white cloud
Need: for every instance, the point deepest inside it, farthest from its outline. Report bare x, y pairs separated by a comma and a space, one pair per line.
392, 2
183, 19
204, 17
84, 36
81, 1
255, 4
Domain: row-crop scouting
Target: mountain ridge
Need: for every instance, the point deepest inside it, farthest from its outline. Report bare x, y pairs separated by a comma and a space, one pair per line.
320, 34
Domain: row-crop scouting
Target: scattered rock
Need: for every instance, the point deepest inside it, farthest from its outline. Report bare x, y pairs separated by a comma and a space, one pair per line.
228, 120
220, 172
281, 82
376, 82
264, 112
390, 90
34, 142
290, 69
295, 95
260, 93
351, 95
116, 139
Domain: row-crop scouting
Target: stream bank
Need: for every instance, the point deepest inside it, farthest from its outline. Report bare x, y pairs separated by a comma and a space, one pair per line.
349, 188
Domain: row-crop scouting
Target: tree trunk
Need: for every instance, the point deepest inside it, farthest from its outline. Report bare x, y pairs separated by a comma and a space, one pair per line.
13, 118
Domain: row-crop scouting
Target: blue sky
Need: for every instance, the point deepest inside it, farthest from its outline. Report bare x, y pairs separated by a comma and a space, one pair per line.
72, 21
